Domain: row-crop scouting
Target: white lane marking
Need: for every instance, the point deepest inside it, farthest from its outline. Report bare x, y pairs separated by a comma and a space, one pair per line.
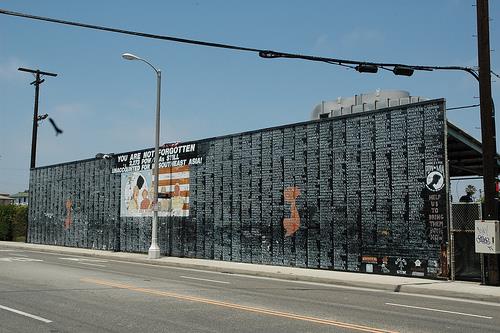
333, 286
453, 299
25, 259
25, 314
381, 291
200, 279
22, 259
84, 259
89, 264
18, 255
438, 310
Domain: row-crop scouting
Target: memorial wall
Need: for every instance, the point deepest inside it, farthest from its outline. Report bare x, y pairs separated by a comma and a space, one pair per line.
365, 192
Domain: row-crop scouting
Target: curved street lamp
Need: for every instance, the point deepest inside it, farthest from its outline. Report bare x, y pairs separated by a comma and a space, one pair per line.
154, 249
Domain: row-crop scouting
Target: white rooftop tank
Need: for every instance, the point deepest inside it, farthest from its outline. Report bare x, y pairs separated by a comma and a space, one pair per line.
364, 102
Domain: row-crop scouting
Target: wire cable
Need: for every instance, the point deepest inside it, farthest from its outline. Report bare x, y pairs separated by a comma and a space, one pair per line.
262, 53
128, 32
463, 107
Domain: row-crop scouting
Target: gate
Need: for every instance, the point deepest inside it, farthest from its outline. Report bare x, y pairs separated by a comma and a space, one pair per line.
465, 262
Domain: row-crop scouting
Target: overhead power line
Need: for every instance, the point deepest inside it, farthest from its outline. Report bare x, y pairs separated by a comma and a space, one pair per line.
360, 66
129, 32
463, 107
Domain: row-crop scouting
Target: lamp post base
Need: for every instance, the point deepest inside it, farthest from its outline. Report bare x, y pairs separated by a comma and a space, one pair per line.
154, 252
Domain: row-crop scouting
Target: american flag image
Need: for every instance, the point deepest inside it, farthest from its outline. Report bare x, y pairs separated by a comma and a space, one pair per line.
175, 182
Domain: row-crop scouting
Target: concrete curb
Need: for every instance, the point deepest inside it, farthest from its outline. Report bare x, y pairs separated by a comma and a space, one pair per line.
419, 286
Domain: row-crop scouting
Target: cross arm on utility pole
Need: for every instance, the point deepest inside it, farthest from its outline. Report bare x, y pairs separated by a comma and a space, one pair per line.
36, 71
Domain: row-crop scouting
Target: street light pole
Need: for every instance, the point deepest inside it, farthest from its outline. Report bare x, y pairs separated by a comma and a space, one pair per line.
154, 249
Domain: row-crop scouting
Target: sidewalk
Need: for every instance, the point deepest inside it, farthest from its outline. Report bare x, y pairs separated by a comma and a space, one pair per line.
455, 289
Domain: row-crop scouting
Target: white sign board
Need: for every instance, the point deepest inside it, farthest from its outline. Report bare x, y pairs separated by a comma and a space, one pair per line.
486, 236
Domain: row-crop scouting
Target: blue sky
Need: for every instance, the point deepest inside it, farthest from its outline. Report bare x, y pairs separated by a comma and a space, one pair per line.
106, 104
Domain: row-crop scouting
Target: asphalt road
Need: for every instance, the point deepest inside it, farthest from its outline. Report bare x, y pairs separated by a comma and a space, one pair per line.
44, 292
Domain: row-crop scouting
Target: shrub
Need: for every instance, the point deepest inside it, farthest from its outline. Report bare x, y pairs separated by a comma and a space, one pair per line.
19, 224
13, 222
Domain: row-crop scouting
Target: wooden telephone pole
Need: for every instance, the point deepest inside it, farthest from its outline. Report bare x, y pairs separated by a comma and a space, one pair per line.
36, 118
488, 135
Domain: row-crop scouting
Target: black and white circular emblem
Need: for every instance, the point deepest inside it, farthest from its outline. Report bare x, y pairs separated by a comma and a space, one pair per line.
434, 181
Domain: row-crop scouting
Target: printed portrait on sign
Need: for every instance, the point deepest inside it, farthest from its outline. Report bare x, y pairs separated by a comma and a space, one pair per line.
136, 193
174, 183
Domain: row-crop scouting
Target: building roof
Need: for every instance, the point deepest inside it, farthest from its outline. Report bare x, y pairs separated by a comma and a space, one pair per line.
465, 153
4, 197
20, 195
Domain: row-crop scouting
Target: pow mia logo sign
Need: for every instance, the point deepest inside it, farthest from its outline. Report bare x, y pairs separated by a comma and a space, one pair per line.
434, 181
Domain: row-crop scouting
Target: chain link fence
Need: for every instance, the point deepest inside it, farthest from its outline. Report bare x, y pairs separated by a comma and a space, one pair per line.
464, 215
465, 262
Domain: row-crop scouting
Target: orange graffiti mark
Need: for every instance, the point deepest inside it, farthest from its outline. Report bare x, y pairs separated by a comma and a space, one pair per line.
292, 223
69, 210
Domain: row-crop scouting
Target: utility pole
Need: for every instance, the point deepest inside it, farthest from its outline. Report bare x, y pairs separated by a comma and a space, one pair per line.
488, 134
36, 118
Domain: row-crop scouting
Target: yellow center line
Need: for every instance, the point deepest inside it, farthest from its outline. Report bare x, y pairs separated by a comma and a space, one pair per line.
237, 306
